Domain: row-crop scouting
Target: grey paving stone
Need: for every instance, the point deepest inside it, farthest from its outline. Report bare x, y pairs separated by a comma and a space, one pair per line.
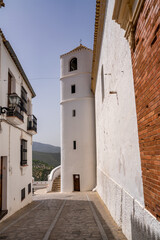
75, 221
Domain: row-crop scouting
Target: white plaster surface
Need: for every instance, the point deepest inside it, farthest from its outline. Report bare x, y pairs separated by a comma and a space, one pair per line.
119, 176
52, 176
80, 128
15, 176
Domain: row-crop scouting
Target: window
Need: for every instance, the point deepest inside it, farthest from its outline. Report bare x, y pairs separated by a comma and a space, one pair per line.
29, 188
73, 64
23, 100
74, 144
73, 113
22, 194
9, 83
73, 88
23, 152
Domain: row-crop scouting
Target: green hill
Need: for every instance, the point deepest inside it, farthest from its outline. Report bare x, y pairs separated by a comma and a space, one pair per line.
41, 170
52, 159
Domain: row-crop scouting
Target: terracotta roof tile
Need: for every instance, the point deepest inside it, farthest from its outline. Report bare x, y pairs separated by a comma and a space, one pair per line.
80, 47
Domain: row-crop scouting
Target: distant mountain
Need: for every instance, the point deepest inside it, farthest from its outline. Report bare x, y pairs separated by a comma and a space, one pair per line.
52, 159
45, 148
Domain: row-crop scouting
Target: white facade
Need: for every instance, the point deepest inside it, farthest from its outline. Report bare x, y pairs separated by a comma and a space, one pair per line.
16, 130
77, 131
119, 176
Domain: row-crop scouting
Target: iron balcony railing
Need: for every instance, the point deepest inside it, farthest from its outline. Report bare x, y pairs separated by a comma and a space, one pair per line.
14, 106
32, 123
13, 112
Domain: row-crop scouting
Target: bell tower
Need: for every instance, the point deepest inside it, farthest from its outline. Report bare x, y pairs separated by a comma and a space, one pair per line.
78, 164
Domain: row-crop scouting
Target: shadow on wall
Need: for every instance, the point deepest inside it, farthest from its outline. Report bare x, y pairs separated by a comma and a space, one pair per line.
142, 232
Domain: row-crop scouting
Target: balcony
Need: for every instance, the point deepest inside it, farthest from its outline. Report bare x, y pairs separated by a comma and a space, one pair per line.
32, 124
14, 109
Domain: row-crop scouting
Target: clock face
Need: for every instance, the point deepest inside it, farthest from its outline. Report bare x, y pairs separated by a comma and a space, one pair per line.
73, 64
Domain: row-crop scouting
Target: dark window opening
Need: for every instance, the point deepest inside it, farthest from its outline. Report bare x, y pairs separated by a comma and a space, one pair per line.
22, 194
23, 152
73, 113
29, 188
9, 83
74, 144
23, 100
73, 88
73, 64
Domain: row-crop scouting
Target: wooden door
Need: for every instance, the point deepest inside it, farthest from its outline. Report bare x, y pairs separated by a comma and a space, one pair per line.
1, 178
76, 182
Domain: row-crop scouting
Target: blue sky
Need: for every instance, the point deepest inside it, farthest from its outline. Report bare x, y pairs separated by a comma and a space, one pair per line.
39, 32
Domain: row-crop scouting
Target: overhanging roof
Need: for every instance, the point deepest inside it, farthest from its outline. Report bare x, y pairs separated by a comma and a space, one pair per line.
98, 33
2, 3
80, 47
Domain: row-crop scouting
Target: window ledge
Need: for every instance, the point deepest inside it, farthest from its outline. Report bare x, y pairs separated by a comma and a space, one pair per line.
26, 165
23, 169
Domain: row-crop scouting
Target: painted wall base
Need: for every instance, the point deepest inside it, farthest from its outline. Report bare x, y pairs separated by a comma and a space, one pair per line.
136, 222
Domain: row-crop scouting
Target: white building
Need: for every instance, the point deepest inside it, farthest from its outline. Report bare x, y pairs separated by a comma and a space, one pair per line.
17, 125
119, 171
77, 121
124, 144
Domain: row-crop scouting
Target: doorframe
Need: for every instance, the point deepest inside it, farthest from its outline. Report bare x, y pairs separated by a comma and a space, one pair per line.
4, 182
1, 183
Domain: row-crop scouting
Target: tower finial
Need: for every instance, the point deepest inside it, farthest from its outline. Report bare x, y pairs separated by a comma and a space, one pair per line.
80, 42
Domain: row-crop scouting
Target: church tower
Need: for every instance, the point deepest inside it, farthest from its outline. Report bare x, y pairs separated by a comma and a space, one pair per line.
77, 121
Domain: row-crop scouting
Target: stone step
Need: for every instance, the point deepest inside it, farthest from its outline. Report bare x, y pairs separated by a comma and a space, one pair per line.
56, 187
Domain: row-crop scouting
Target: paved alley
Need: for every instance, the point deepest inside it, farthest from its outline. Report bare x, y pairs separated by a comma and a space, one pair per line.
58, 216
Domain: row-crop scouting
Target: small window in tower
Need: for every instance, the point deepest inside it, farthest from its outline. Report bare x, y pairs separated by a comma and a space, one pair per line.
73, 113
73, 64
74, 144
73, 88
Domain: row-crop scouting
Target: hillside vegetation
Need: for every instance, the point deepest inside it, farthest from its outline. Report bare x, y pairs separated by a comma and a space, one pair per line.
41, 170
52, 159
44, 161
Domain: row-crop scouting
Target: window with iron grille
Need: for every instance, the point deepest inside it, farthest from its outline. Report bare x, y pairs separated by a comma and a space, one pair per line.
23, 152
23, 100
22, 194
29, 188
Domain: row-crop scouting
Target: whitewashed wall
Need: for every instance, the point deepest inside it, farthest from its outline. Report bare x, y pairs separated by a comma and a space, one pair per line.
15, 176
119, 177
7, 64
80, 128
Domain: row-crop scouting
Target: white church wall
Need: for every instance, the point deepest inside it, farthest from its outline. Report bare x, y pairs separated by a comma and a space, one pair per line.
80, 160
83, 65
119, 177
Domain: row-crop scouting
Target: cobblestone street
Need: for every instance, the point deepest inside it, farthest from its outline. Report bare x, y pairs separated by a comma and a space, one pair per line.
61, 216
